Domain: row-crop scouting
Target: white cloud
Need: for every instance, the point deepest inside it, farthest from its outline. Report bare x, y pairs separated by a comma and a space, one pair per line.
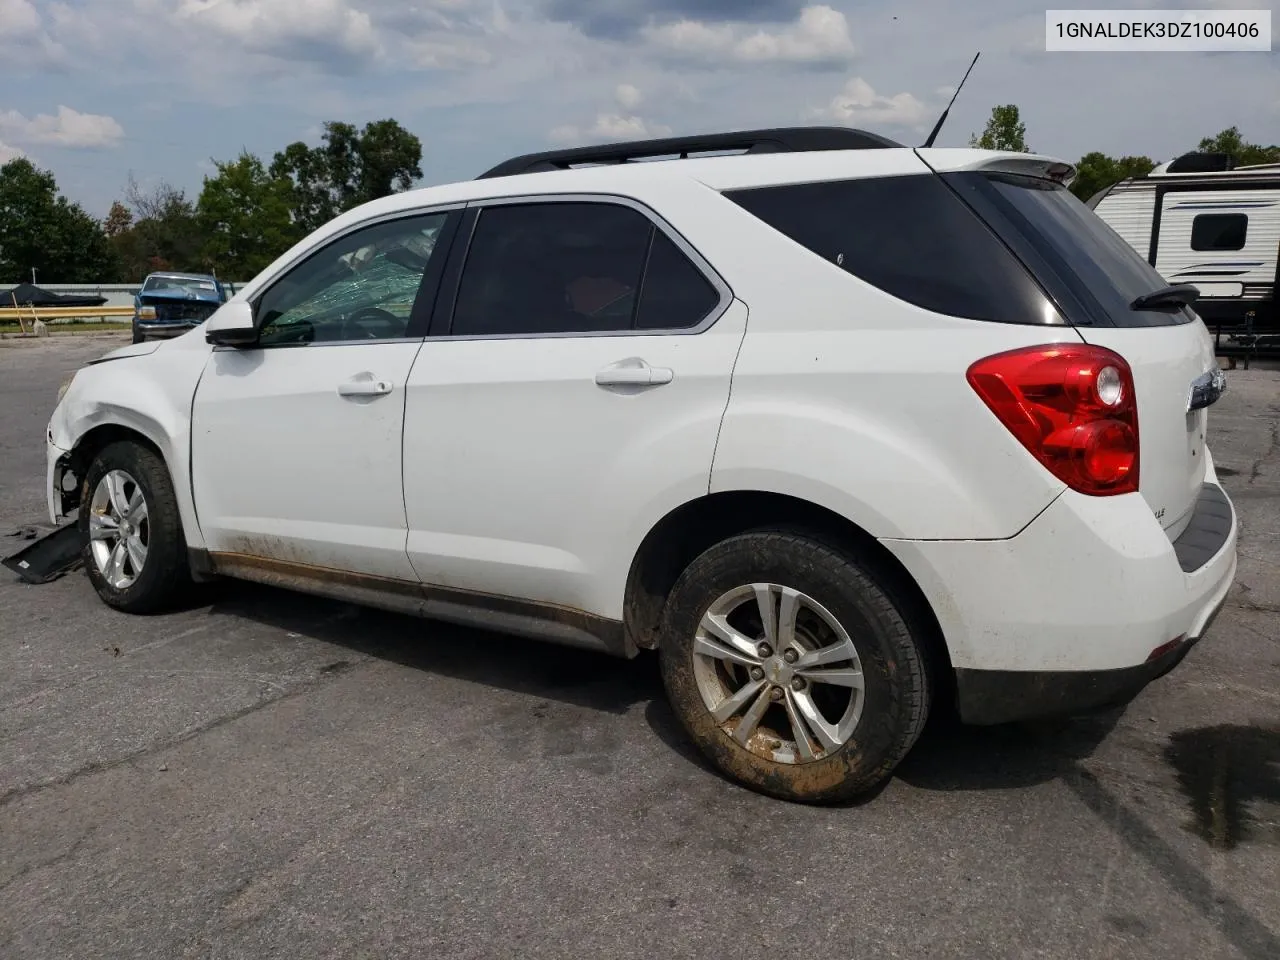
289, 29
8, 153
25, 44
858, 103
19, 18
70, 128
819, 35
610, 127
628, 97
447, 54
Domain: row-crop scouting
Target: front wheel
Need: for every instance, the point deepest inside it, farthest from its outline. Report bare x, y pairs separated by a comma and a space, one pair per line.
135, 553
792, 669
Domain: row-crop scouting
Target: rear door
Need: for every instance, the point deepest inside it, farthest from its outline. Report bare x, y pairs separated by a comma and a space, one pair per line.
1096, 276
574, 396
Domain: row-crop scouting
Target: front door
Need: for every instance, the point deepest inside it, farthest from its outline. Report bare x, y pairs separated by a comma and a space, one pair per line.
296, 440
577, 396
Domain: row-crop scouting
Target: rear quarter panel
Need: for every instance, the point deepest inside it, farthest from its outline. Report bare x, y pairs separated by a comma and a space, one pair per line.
852, 399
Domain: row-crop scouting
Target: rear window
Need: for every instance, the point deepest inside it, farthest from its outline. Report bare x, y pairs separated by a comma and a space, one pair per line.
911, 237
1083, 263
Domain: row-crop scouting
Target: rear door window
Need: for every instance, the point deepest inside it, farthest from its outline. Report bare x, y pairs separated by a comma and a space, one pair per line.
911, 237
576, 268
675, 295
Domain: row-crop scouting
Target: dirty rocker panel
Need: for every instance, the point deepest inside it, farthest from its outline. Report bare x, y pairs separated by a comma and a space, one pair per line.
538, 621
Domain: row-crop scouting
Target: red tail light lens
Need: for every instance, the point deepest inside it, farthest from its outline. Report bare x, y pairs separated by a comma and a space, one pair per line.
1073, 407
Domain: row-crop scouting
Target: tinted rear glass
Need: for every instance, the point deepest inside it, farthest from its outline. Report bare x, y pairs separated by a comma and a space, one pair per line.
911, 237
675, 294
1101, 272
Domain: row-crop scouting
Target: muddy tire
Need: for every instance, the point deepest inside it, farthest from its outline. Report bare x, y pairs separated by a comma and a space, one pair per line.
792, 669
135, 553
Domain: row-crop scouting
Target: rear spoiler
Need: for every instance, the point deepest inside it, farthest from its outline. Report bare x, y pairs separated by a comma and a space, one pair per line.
946, 160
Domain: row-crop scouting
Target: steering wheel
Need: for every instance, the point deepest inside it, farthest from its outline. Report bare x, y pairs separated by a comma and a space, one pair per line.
373, 323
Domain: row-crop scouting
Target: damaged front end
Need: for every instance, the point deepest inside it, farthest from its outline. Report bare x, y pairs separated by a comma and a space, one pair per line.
59, 551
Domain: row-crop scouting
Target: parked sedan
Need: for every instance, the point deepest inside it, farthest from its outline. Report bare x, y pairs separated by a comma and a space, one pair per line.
172, 303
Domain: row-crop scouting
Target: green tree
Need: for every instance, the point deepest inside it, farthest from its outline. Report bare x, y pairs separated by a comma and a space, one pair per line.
42, 230
1243, 152
350, 167
1005, 131
156, 229
1096, 171
244, 217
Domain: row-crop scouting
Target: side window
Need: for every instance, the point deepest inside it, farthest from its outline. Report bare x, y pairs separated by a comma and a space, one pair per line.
575, 268
676, 295
910, 236
360, 287
1219, 231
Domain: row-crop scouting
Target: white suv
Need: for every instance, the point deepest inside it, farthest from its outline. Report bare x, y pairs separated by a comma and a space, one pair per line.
842, 429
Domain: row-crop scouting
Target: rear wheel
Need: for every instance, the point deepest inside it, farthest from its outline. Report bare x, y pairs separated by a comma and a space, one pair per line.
792, 669
135, 552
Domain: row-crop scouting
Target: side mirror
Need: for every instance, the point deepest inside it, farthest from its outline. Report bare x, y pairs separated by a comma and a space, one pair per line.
231, 325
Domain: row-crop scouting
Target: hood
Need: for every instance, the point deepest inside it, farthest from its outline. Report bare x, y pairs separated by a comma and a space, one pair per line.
202, 296
132, 350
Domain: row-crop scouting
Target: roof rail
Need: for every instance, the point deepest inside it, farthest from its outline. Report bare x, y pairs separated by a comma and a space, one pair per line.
777, 140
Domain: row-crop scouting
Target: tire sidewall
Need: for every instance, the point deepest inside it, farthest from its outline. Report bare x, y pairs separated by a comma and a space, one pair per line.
867, 614
166, 546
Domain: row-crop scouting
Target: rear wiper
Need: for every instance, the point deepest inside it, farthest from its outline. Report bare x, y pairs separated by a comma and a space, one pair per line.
1177, 295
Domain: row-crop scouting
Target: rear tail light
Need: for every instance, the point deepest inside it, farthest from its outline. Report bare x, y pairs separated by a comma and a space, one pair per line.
1073, 407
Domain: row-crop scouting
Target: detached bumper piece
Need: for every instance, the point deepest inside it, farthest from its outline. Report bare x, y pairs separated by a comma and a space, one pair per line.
48, 558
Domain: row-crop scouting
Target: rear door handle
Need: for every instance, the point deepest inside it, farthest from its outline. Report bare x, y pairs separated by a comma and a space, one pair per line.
633, 372
364, 388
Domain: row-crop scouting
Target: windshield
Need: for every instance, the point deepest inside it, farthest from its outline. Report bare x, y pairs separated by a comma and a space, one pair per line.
181, 286
1104, 273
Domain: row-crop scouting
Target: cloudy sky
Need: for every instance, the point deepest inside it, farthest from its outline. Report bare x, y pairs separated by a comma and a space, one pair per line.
97, 90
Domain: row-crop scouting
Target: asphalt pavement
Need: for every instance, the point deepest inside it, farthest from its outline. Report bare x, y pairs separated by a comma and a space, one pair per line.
267, 774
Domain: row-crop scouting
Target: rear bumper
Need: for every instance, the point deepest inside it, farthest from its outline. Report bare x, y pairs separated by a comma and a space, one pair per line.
987, 697
1081, 610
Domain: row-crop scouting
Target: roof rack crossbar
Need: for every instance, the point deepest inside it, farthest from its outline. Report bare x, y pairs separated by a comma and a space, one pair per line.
776, 140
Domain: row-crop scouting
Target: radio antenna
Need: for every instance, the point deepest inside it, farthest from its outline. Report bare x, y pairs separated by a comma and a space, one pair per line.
943, 119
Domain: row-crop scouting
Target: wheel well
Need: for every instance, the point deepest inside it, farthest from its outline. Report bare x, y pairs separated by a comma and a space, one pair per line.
694, 527
88, 447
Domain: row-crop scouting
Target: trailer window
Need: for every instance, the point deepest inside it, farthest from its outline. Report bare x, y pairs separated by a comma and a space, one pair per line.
1219, 231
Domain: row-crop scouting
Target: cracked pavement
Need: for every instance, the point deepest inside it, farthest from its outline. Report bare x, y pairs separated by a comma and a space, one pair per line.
273, 775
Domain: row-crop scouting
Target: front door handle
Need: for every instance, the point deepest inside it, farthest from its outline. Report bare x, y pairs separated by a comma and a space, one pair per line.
364, 388
633, 372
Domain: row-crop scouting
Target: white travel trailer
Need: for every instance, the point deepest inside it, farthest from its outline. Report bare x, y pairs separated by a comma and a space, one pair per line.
1199, 220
